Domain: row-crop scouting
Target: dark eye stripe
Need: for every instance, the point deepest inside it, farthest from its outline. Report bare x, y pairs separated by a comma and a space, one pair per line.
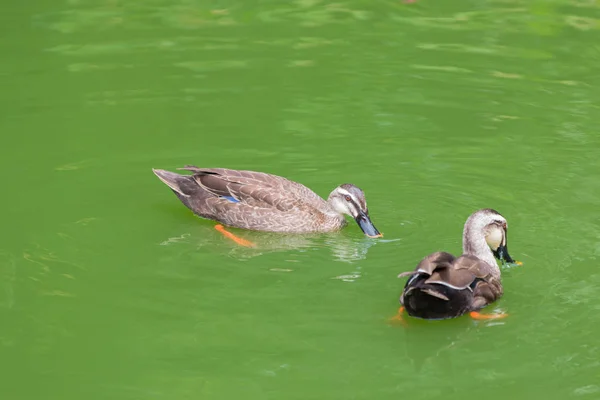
350, 199
358, 208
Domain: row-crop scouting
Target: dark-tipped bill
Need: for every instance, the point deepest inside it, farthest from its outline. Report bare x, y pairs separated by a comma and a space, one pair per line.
501, 253
367, 226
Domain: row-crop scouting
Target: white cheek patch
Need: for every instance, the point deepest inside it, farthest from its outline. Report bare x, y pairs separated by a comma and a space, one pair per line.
495, 238
340, 206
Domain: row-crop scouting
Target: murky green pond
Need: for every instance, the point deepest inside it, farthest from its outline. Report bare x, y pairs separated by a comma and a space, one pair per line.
111, 289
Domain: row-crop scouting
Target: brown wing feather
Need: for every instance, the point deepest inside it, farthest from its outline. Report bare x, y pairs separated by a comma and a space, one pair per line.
258, 189
476, 266
454, 278
435, 261
463, 272
430, 263
486, 292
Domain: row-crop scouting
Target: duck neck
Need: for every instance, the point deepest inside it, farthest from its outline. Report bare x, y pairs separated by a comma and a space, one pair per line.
474, 244
335, 208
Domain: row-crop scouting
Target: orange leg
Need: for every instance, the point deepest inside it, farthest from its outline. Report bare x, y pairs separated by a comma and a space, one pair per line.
237, 239
398, 317
482, 317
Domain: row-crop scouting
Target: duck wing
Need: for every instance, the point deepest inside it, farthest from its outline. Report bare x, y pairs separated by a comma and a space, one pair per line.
479, 268
434, 266
435, 261
256, 189
486, 287
461, 273
438, 289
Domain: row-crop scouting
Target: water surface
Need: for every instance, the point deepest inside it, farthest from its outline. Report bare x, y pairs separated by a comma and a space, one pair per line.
111, 289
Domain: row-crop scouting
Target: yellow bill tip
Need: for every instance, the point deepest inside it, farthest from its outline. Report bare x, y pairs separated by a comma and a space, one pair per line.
376, 236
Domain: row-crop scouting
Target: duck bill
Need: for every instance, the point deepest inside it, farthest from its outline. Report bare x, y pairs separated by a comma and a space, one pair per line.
501, 253
367, 226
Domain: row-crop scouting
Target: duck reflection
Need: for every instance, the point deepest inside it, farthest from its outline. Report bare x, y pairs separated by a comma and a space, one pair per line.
344, 248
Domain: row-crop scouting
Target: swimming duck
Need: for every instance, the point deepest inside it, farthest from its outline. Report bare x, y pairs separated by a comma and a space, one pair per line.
443, 286
264, 202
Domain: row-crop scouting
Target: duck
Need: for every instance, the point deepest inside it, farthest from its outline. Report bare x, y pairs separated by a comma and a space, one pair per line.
264, 202
443, 286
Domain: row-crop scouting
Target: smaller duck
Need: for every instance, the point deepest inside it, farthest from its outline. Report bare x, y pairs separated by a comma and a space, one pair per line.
264, 202
443, 286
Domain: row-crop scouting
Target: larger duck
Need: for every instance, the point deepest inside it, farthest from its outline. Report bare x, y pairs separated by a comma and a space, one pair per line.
444, 286
264, 202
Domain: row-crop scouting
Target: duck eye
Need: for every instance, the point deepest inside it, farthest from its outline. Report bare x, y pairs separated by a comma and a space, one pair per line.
347, 198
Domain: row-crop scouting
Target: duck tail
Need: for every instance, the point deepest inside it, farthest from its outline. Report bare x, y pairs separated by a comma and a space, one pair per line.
189, 192
432, 301
184, 186
180, 184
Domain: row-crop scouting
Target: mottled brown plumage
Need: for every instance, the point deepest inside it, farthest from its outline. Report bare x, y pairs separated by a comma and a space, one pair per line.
264, 202
443, 286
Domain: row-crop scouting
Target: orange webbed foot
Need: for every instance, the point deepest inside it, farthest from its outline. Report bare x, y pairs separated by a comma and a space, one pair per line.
483, 317
237, 239
398, 317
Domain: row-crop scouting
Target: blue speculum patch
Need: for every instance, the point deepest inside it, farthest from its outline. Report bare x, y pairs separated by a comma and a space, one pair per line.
231, 199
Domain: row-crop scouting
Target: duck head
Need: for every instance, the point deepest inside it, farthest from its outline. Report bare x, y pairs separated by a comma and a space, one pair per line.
350, 200
495, 230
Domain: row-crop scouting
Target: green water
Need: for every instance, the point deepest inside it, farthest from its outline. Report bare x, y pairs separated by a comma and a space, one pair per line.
111, 289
